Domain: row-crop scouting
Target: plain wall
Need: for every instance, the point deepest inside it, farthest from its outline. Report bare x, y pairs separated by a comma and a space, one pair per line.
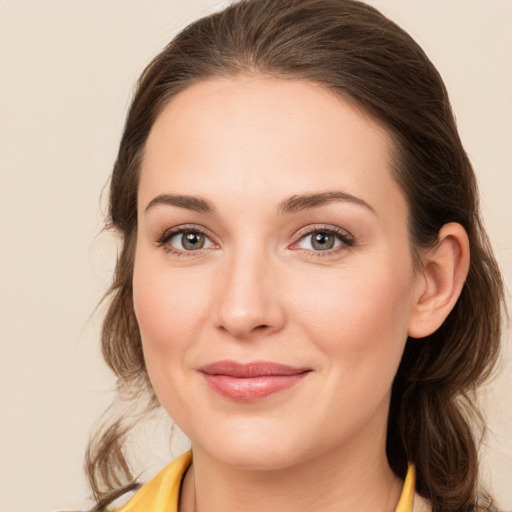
67, 72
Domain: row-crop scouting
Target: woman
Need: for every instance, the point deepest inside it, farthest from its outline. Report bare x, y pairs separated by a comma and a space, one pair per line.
305, 284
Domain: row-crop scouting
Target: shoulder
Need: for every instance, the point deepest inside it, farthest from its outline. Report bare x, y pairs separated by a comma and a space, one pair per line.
421, 504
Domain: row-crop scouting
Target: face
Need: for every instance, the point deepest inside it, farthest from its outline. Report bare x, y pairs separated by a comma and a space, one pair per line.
273, 280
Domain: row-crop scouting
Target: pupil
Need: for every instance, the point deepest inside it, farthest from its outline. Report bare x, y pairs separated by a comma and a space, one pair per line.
323, 241
193, 241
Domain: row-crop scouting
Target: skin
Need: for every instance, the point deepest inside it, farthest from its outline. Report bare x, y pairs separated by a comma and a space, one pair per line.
259, 290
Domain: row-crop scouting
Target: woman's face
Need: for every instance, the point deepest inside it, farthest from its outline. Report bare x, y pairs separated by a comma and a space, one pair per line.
273, 280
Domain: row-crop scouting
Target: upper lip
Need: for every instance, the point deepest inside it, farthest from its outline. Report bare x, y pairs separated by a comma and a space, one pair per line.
251, 369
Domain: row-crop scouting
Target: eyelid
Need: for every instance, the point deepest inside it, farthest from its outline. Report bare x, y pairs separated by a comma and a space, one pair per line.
347, 239
163, 239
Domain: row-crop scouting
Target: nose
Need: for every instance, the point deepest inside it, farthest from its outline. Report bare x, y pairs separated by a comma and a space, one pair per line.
249, 298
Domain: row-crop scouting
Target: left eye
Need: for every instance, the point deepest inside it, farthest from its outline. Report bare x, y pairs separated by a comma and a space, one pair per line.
321, 240
190, 240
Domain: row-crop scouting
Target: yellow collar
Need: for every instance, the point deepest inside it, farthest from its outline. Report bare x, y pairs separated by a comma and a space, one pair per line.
161, 494
407, 498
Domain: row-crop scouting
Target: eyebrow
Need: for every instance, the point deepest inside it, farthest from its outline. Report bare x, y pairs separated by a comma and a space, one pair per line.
306, 201
194, 203
292, 204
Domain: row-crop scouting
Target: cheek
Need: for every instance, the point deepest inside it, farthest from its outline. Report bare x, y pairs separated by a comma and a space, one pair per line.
360, 326
359, 319
170, 308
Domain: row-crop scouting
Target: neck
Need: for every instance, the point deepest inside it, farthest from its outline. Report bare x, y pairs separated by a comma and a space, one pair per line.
338, 480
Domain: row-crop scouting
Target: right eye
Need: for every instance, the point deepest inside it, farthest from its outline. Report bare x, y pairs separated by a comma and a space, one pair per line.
188, 240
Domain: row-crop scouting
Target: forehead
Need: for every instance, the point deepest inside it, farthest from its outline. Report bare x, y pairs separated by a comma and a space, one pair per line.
263, 136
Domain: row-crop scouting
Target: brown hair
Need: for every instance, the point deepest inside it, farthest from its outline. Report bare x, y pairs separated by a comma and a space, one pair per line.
353, 50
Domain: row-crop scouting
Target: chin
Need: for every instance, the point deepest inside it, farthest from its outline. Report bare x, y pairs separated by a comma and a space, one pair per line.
253, 449
256, 458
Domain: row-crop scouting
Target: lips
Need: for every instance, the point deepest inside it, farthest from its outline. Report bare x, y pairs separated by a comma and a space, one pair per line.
251, 381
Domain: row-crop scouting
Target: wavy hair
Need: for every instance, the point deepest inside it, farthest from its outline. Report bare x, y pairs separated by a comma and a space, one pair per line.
354, 51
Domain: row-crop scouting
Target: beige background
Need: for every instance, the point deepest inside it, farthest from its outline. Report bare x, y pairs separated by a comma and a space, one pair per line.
67, 72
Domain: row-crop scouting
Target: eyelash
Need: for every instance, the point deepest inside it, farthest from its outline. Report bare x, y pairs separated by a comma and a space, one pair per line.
346, 239
164, 239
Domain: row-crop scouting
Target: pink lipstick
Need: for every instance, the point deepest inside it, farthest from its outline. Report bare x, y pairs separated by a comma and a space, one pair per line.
251, 381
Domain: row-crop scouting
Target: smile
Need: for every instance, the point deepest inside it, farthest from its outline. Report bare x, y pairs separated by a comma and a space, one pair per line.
251, 381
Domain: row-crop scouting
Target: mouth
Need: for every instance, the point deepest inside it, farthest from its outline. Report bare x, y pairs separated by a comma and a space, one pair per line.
251, 381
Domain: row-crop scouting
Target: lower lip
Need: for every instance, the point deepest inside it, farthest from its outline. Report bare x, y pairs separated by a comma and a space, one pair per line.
252, 388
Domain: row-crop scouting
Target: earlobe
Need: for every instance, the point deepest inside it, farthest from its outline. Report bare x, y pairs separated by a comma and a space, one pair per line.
445, 268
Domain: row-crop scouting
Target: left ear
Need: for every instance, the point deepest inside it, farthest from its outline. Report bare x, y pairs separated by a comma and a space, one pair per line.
445, 268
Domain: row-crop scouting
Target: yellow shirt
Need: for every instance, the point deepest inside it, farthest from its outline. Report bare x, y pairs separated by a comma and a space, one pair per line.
162, 492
